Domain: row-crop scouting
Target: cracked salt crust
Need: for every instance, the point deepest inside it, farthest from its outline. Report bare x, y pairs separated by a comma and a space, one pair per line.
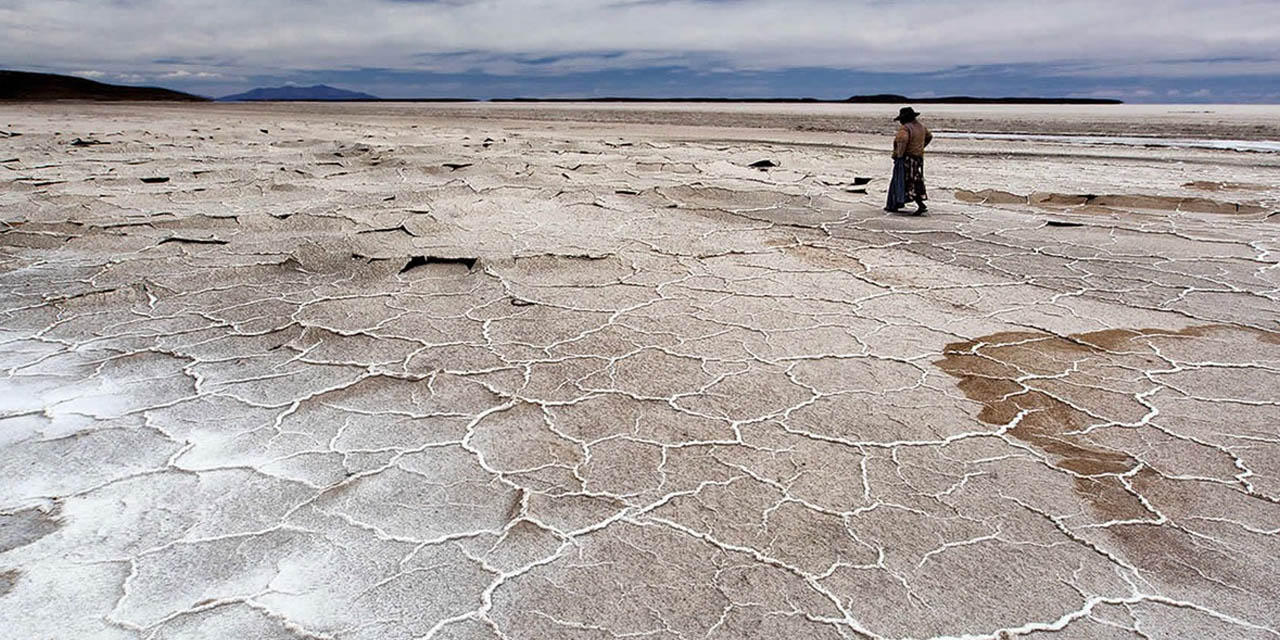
455, 373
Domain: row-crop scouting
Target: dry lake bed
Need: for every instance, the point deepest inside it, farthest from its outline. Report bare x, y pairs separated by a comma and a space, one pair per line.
582, 371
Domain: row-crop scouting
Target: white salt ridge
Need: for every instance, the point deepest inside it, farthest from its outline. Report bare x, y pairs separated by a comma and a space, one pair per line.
1261, 146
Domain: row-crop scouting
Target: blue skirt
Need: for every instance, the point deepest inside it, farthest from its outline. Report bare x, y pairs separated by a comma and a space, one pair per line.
897, 186
907, 183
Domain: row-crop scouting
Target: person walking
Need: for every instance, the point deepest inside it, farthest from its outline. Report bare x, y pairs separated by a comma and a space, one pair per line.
908, 163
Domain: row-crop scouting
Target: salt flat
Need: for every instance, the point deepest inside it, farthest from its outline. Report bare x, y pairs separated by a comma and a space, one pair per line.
531, 371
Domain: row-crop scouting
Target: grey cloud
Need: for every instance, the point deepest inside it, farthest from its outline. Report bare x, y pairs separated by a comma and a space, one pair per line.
1091, 37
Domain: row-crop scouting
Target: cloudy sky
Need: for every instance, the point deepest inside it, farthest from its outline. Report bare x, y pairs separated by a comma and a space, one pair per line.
1136, 50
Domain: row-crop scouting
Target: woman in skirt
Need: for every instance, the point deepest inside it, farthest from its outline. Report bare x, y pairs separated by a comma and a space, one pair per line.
907, 184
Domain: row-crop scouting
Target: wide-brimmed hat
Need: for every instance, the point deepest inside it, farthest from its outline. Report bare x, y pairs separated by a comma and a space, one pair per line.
906, 114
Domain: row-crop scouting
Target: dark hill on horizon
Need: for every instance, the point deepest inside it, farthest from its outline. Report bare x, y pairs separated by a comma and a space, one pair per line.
26, 85
317, 92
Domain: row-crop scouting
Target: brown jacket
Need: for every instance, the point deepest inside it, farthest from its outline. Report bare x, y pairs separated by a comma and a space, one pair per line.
911, 140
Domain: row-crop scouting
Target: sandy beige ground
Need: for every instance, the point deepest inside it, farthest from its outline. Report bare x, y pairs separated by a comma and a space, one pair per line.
403, 371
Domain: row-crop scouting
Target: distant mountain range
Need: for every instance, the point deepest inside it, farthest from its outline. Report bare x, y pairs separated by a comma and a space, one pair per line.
318, 92
23, 85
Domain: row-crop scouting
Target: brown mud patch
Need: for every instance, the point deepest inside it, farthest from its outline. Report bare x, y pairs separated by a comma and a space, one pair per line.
8, 578
988, 369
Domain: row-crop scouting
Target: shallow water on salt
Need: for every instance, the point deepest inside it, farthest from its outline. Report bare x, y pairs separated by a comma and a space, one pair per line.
1259, 146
